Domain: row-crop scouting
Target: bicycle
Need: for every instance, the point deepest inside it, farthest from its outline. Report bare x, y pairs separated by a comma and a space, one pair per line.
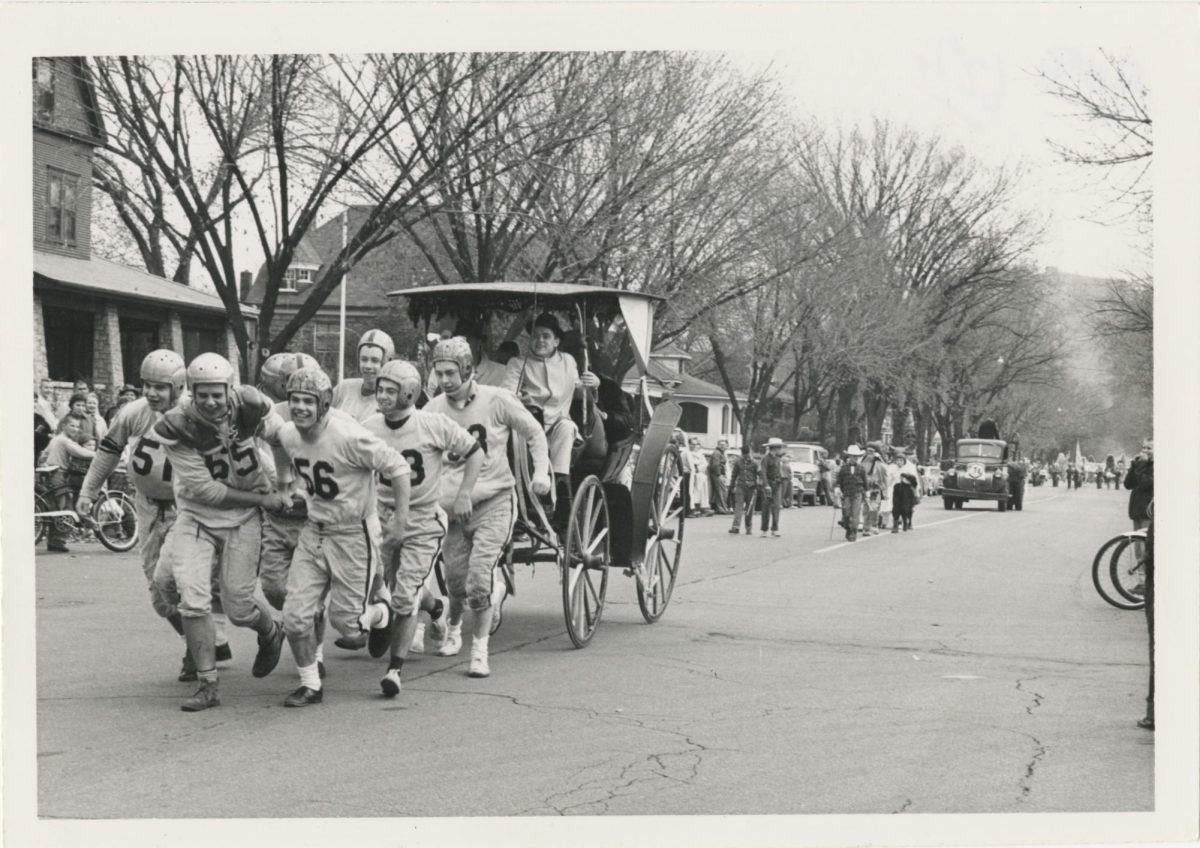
112, 520
1118, 571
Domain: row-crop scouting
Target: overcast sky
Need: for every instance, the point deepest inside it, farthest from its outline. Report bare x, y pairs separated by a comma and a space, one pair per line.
978, 90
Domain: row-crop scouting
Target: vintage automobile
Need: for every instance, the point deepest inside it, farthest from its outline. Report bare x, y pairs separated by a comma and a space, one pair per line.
805, 461
984, 469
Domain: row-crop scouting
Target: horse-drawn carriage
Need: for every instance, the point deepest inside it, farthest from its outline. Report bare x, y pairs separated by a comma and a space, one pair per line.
616, 520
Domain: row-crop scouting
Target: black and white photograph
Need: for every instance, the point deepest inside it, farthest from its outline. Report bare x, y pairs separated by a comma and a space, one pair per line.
574, 423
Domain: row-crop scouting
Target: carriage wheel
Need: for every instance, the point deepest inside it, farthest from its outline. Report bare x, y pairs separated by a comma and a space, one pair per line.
665, 541
585, 562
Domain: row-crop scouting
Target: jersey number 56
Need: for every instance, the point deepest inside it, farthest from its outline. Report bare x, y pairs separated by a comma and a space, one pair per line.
320, 482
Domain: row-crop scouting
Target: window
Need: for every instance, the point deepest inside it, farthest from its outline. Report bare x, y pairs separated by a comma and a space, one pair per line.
198, 340
138, 338
292, 278
43, 90
61, 194
69, 343
694, 418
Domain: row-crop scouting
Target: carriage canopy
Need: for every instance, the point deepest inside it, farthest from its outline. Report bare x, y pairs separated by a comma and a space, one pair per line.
428, 303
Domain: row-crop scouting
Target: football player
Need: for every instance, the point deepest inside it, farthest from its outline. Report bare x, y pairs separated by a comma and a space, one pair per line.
281, 530
474, 543
219, 484
356, 395
336, 555
423, 438
163, 376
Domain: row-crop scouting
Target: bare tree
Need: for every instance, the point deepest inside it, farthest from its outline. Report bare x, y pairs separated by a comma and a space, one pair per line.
1113, 103
1110, 99
276, 140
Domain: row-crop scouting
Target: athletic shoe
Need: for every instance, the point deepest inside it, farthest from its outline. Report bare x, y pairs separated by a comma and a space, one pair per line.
379, 640
303, 697
269, 650
775, 533
187, 672
224, 654
734, 530
418, 639
451, 644
391, 683
351, 643
479, 662
438, 626
1146, 723
205, 697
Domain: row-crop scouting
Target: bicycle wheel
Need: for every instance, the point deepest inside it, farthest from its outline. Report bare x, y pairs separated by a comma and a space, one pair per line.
40, 524
114, 521
1102, 579
1127, 570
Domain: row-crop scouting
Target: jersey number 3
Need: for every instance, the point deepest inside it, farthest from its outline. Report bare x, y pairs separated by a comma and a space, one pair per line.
320, 482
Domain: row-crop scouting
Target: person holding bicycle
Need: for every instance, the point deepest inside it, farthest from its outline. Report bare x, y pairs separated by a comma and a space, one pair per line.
64, 481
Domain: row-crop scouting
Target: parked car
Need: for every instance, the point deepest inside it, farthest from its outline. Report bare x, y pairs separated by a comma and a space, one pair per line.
984, 469
804, 459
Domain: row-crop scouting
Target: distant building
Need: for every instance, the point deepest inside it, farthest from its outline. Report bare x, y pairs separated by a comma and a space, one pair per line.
394, 265
95, 319
707, 411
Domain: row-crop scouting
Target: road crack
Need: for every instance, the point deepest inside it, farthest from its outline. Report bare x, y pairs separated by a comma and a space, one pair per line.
1026, 782
1037, 696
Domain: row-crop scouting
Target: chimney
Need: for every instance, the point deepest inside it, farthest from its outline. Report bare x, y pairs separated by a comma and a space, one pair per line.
244, 289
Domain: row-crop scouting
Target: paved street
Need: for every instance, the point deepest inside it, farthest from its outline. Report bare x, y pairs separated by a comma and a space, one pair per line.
968, 666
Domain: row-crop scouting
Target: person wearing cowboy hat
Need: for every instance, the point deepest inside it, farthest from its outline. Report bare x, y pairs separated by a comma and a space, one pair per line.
850, 488
772, 492
549, 380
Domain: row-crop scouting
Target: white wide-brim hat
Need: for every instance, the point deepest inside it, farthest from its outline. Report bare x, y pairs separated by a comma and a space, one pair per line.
854, 450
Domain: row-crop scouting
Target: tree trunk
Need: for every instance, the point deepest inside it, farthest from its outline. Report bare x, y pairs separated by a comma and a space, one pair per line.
875, 406
843, 416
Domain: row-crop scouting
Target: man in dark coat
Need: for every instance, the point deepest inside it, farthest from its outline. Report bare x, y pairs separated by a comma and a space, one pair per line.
851, 488
1140, 482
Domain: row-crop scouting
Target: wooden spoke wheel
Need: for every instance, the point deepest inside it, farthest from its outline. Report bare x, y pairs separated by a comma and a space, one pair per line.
656, 579
585, 561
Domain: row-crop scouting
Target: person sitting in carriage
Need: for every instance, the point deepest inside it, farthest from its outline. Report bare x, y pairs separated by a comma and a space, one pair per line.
547, 381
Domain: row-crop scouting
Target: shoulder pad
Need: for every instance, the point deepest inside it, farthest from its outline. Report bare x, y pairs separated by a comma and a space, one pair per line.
173, 427
250, 409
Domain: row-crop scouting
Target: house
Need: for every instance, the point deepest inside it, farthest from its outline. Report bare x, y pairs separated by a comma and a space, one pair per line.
93, 318
707, 411
396, 264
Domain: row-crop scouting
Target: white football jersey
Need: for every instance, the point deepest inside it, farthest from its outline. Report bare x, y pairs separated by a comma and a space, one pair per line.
338, 468
490, 414
348, 397
424, 439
